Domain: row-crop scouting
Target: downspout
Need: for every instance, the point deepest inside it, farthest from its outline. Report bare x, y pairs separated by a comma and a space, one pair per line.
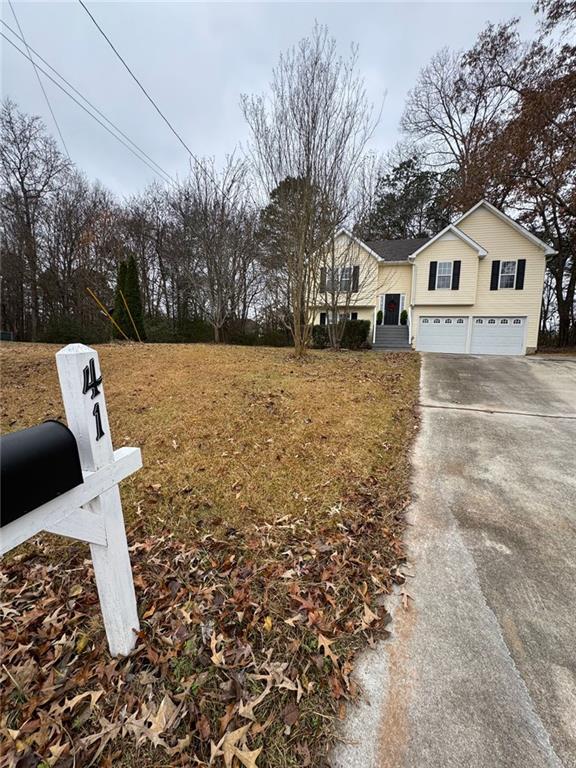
412, 302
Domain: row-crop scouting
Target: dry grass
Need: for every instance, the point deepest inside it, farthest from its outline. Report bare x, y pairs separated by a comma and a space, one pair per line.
268, 516
231, 435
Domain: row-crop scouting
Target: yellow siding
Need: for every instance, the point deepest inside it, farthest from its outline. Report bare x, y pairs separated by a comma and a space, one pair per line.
395, 278
348, 253
447, 250
503, 242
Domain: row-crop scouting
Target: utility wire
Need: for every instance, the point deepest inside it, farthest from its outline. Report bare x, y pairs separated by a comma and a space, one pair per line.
40, 83
128, 147
87, 101
151, 100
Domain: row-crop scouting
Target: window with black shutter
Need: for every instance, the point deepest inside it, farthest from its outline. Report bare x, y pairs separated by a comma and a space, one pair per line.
456, 275
432, 276
495, 275
520, 272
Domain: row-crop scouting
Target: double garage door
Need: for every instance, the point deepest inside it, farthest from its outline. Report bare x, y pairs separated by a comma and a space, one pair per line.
474, 335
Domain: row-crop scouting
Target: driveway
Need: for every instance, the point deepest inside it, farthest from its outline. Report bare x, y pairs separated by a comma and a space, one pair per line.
481, 667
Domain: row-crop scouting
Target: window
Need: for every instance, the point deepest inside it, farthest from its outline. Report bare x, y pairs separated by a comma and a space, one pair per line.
507, 274
339, 279
447, 321
346, 279
424, 319
460, 320
517, 321
503, 321
479, 321
436, 319
444, 274
491, 321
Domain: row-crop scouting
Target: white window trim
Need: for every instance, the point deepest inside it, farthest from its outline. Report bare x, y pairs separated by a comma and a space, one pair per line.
508, 274
448, 287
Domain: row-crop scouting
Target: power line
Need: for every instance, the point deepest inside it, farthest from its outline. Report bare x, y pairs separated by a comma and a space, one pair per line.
87, 101
128, 147
40, 83
151, 100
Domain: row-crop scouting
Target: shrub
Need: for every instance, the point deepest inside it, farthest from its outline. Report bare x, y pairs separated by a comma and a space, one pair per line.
403, 317
379, 317
320, 338
64, 329
355, 334
161, 331
194, 330
275, 337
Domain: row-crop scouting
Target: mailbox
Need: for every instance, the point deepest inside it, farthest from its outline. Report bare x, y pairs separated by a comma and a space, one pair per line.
37, 464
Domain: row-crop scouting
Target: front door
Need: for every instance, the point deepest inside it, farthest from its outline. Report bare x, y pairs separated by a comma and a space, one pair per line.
391, 308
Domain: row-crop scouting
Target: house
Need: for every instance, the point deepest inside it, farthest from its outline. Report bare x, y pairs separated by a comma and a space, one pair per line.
475, 287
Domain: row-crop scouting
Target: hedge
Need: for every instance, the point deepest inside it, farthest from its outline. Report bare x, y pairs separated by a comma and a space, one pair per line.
355, 335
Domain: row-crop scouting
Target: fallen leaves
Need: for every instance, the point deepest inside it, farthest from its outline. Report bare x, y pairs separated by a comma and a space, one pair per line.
245, 640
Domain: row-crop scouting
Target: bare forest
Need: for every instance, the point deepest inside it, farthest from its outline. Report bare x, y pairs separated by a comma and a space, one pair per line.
235, 250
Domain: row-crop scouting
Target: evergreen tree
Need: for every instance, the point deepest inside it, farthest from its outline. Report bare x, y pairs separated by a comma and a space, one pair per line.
134, 300
119, 313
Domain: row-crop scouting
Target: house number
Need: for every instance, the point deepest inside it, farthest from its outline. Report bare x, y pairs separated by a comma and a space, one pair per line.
91, 381
91, 384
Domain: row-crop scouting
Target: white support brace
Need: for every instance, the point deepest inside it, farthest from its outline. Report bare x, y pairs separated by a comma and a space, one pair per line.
52, 514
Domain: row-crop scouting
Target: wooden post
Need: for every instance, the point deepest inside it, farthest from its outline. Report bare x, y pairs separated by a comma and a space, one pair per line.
85, 405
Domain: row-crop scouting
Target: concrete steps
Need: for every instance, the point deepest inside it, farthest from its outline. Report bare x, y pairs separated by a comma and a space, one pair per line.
391, 337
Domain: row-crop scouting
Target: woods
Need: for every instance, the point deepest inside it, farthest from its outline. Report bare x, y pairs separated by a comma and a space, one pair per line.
235, 250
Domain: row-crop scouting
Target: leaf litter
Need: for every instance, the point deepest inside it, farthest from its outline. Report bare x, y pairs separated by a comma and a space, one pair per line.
244, 654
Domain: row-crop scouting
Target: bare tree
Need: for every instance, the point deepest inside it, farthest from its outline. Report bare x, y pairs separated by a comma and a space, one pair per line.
223, 239
30, 168
455, 110
312, 128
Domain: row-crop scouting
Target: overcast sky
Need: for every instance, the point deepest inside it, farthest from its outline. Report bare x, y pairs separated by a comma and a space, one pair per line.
197, 58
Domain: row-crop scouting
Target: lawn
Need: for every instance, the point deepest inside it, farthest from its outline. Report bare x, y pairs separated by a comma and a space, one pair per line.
265, 532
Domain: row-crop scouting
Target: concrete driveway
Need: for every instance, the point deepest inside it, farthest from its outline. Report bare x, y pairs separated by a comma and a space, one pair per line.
481, 668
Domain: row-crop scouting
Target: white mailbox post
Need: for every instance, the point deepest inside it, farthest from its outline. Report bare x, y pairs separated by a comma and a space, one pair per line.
92, 511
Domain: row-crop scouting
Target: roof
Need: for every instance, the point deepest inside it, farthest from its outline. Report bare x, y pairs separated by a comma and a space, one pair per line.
396, 250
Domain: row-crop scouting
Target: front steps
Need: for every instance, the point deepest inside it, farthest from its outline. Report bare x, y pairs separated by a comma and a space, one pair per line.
391, 337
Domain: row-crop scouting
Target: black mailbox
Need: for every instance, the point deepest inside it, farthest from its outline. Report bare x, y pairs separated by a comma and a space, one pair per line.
37, 464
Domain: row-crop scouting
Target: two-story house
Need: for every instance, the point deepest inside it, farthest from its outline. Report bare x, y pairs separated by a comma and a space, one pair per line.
475, 287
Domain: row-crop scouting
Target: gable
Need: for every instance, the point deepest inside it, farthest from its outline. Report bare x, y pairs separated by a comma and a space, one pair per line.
486, 212
501, 239
450, 233
345, 242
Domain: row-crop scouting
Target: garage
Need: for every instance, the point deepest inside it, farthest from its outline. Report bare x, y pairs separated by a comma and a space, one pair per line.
498, 336
442, 334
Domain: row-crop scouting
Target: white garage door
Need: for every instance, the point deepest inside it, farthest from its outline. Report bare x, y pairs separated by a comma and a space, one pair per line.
442, 334
497, 336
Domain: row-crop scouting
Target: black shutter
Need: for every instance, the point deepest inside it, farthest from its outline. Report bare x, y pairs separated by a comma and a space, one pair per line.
456, 275
322, 281
432, 276
495, 276
322, 318
520, 272
355, 279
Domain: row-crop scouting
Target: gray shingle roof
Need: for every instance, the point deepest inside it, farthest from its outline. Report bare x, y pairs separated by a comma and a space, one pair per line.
396, 250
